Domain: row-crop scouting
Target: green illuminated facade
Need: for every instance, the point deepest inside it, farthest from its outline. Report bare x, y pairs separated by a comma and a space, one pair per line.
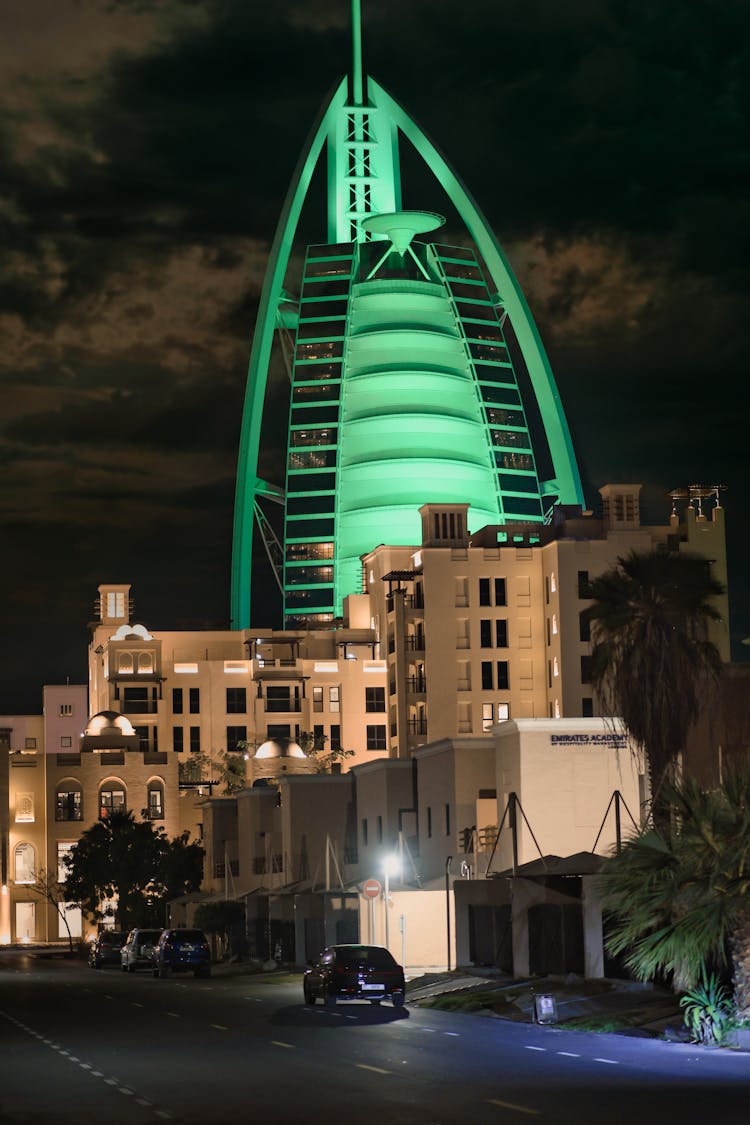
404, 389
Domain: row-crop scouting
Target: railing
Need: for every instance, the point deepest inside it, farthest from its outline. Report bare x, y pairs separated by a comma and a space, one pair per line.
416, 683
287, 706
417, 726
139, 707
154, 813
415, 643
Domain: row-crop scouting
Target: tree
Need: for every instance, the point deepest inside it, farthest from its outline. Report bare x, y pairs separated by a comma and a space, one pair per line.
221, 917
681, 901
48, 887
315, 748
651, 664
129, 861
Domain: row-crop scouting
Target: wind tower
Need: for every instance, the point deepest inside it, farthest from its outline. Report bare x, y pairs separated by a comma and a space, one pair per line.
404, 360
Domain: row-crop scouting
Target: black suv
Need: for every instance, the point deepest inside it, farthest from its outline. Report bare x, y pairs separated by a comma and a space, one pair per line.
354, 972
105, 949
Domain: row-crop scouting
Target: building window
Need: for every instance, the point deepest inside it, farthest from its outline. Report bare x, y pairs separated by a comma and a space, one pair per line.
278, 730
195, 700
503, 712
501, 633
111, 800
236, 735
376, 737
584, 589
429, 822
317, 699
145, 662
66, 742
236, 700
176, 700
447, 820
143, 738
500, 594
380, 829
66, 708
587, 707
487, 684
485, 633
555, 667
278, 698
64, 852
554, 624
25, 858
484, 591
364, 832
334, 698
585, 669
335, 736
115, 604
68, 804
552, 583
584, 627
503, 680
375, 699
195, 740
155, 806
29, 744
178, 739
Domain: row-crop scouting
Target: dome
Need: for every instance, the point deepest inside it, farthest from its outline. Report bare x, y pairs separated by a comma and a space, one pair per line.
132, 632
108, 730
109, 722
280, 748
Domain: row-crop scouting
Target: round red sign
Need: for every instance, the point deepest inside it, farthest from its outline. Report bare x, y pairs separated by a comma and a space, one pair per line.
371, 888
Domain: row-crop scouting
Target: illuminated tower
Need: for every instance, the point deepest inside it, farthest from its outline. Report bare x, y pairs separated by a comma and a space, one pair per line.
406, 380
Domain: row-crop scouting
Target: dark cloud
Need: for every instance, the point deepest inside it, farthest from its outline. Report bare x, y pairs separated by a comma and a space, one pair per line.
146, 148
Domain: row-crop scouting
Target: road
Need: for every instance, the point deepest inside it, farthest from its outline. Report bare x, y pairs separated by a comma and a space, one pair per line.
80, 1045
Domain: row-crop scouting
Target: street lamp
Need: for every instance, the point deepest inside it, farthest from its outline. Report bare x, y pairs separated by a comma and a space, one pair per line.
391, 866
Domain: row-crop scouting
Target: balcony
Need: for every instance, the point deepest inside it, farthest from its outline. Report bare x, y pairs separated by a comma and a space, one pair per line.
417, 726
416, 684
414, 643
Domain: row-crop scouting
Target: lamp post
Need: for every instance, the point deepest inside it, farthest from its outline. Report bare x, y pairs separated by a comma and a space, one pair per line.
391, 866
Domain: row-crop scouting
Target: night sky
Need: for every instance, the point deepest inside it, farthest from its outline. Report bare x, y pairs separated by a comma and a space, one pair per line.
145, 149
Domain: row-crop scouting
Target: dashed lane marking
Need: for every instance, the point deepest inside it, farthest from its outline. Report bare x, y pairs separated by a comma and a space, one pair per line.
528, 1048
515, 1106
174, 1015
455, 1034
135, 1004
219, 1027
569, 1054
612, 1062
279, 1043
112, 1081
374, 1069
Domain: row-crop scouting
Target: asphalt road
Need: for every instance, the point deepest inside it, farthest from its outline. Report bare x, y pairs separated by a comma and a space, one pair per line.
77, 1045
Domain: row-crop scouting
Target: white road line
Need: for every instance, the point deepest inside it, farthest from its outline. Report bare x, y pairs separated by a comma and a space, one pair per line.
279, 1043
124, 1090
612, 1062
454, 1033
528, 1048
514, 1105
143, 1101
569, 1054
135, 1004
430, 1029
174, 1015
374, 1069
219, 1027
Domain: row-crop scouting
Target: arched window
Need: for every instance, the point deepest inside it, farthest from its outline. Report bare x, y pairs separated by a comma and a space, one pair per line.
145, 662
68, 801
111, 797
25, 863
155, 807
125, 662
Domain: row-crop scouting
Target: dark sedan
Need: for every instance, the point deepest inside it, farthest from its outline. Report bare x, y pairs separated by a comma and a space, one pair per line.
105, 949
354, 972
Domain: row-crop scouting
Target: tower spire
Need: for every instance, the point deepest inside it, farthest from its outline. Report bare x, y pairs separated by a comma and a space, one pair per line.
356, 53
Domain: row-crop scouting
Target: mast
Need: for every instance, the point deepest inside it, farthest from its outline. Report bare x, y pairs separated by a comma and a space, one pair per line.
356, 53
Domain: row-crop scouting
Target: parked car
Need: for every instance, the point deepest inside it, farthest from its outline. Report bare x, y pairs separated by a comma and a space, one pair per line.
138, 950
105, 949
182, 951
354, 972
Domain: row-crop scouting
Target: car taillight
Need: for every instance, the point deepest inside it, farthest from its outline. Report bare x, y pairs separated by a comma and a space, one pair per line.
205, 946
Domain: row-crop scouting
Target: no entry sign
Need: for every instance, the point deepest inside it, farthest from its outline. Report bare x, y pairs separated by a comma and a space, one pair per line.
371, 888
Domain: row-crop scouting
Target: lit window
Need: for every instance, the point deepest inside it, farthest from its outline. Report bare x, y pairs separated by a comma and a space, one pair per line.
555, 667
486, 716
25, 864
64, 852
317, 699
554, 624
334, 698
30, 744
115, 604
155, 808
552, 583
503, 712
111, 800
66, 742
68, 804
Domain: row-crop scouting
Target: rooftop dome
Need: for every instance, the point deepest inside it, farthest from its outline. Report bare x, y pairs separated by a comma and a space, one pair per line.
132, 632
109, 721
280, 748
108, 730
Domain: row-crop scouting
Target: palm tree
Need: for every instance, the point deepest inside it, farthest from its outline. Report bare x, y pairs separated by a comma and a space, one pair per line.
651, 662
678, 902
